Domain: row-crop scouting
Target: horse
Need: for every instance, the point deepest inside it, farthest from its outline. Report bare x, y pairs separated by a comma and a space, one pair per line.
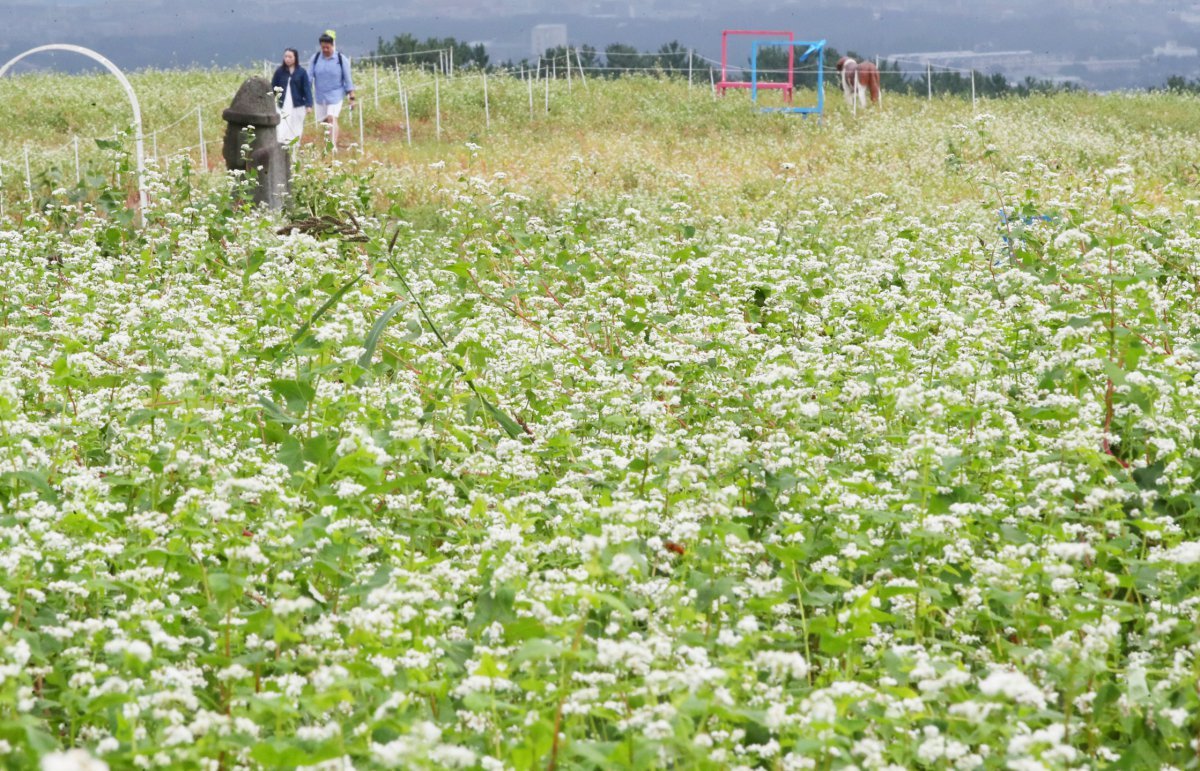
858, 80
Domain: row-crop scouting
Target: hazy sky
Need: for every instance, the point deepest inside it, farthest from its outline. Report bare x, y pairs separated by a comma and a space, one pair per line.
1099, 43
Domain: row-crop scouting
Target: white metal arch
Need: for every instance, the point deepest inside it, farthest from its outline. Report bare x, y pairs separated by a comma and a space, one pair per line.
133, 100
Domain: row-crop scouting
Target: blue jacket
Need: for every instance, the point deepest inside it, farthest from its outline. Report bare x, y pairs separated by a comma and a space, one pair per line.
302, 93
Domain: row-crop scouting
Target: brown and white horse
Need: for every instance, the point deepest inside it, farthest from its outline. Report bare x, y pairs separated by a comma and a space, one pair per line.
858, 80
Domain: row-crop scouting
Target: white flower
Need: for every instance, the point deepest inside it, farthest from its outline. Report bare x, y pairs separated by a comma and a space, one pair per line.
1177, 716
336, 764
1164, 444
233, 672
286, 607
1072, 551
136, 648
72, 760
747, 625
347, 488
1015, 686
452, 756
782, 664
106, 745
621, 564
176, 735
1186, 553
19, 652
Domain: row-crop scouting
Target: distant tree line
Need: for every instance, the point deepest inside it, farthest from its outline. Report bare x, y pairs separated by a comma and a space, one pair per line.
431, 52
616, 60
672, 60
1182, 85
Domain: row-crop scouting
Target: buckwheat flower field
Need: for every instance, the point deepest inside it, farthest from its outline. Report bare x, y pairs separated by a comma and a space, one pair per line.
648, 433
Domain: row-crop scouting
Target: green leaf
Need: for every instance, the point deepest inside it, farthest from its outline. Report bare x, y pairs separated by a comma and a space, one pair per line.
34, 479
289, 753
297, 393
276, 413
492, 606
613, 602
377, 328
510, 426
536, 650
524, 629
332, 301
254, 261
36, 736
290, 454
598, 754
832, 580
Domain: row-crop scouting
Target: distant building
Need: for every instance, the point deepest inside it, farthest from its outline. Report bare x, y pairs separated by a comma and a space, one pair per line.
546, 36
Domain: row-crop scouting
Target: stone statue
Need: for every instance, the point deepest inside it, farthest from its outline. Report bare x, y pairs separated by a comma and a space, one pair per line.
253, 108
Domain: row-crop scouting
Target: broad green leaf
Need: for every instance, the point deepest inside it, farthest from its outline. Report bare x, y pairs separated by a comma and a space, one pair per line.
376, 331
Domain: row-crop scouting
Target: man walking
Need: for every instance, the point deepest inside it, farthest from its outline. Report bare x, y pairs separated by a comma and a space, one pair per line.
330, 73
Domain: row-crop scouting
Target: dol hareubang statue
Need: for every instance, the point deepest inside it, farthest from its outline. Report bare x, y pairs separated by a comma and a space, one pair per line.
254, 106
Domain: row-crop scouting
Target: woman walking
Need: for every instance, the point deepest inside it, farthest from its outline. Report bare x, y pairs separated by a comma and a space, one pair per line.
294, 95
